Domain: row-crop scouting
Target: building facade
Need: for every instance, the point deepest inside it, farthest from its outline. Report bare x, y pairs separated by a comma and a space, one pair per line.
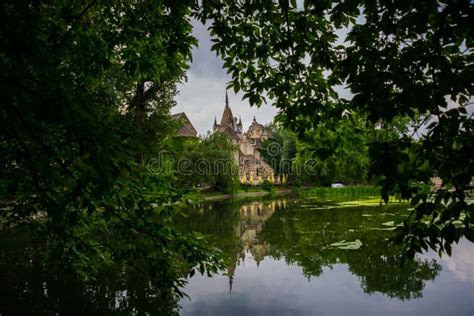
252, 168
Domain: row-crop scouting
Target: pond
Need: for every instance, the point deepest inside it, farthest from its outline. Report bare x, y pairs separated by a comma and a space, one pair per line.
285, 256
321, 257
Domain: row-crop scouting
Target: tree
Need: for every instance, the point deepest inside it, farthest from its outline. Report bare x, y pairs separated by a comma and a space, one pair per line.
339, 151
148, 113
70, 78
399, 59
65, 69
280, 150
207, 163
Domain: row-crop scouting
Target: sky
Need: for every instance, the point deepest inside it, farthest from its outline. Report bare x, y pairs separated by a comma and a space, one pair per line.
202, 97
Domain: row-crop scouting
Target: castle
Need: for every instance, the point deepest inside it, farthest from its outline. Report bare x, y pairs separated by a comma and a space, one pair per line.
252, 168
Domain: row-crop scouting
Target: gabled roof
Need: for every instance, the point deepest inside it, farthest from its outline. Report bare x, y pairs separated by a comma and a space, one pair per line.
177, 115
187, 129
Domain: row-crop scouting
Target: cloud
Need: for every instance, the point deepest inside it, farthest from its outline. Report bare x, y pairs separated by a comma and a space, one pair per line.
202, 97
461, 262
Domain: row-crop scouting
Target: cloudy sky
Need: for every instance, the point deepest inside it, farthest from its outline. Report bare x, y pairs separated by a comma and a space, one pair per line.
202, 97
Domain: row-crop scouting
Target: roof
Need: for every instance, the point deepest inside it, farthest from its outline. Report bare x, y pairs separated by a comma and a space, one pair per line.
230, 132
177, 115
186, 129
227, 117
255, 124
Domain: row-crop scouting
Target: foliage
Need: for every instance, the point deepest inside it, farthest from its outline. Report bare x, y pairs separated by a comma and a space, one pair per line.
72, 76
267, 186
339, 151
280, 150
118, 289
216, 220
148, 116
397, 59
207, 163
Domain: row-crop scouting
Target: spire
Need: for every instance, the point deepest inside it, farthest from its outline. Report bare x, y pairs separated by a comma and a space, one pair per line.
239, 125
227, 117
254, 119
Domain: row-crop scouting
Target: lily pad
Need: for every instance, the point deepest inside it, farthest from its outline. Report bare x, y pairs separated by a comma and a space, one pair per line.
347, 245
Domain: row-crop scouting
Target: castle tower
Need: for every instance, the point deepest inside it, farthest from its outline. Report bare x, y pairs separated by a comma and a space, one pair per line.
246, 154
227, 117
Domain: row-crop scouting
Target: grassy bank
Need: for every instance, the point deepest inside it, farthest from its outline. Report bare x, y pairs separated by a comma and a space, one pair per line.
247, 192
366, 190
255, 191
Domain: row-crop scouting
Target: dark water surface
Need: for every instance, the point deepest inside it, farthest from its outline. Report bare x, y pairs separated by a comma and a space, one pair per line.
308, 257
286, 256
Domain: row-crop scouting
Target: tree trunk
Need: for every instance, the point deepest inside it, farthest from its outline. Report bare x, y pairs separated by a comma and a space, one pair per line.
139, 106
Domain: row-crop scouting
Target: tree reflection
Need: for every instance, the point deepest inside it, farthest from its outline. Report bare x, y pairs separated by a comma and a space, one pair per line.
299, 233
302, 234
26, 288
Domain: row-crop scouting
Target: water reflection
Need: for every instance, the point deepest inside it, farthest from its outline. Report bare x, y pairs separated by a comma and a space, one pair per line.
26, 288
283, 259
303, 234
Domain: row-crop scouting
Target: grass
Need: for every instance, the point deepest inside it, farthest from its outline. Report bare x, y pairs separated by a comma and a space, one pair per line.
365, 190
362, 190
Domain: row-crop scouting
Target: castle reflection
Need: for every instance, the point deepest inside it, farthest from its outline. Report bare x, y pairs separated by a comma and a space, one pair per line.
305, 233
252, 220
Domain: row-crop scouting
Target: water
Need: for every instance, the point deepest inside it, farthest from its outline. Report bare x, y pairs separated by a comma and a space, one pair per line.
313, 257
286, 256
